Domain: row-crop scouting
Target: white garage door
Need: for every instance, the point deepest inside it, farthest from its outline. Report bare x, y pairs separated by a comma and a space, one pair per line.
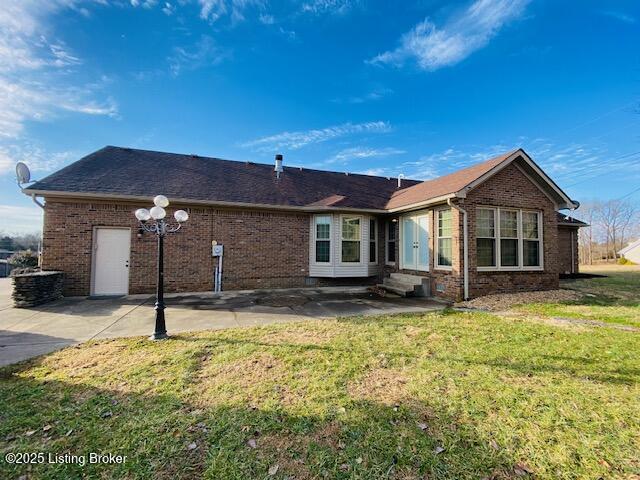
111, 249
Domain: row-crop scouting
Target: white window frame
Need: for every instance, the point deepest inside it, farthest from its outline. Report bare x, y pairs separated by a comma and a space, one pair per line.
498, 234
387, 241
315, 240
340, 240
539, 240
373, 239
494, 211
437, 237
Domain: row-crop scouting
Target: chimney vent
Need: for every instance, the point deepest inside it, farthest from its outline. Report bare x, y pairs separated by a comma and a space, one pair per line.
278, 167
400, 177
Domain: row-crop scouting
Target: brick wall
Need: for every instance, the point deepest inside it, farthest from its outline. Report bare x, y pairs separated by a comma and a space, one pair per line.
568, 257
262, 249
511, 188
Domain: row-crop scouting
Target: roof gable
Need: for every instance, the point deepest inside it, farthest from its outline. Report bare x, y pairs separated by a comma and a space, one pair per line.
462, 181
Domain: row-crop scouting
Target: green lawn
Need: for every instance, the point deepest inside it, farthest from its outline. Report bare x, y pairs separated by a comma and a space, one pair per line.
614, 299
444, 395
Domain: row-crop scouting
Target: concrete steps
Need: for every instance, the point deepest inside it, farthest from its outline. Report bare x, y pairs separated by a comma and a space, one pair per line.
407, 285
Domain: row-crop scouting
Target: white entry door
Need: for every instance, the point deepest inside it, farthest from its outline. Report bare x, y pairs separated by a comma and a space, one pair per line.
415, 242
111, 248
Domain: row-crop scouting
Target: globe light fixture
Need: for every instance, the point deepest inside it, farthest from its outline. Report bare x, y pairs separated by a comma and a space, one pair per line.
181, 216
143, 214
160, 228
161, 201
158, 213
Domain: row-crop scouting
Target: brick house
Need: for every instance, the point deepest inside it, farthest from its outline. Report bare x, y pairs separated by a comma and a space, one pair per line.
492, 227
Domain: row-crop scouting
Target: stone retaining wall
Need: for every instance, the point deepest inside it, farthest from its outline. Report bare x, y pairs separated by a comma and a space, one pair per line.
31, 289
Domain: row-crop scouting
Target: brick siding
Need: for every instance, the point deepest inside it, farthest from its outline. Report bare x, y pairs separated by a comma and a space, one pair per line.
262, 249
566, 237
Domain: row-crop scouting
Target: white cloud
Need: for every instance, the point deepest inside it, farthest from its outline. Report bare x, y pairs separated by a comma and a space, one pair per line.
204, 53
19, 219
623, 17
213, 10
266, 19
371, 96
339, 7
37, 158
434, 47
35, 72
354, 153
299, 139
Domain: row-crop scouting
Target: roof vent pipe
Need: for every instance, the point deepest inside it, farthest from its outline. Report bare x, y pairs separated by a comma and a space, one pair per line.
278, 168
400, 177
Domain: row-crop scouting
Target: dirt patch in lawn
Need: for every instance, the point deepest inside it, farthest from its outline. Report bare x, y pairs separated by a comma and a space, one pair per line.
384, 385
504, 301
253, 380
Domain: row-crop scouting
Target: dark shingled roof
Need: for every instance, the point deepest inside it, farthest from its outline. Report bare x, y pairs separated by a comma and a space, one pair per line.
130, 172
127, 172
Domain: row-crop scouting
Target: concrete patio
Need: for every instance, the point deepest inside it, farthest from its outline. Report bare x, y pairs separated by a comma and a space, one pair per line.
25, 333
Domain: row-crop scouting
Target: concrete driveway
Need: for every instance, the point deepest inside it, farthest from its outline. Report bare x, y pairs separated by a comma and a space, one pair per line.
25, 333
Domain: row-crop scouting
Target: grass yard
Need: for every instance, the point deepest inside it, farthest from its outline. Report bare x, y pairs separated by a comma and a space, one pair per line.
615, 299
445, 395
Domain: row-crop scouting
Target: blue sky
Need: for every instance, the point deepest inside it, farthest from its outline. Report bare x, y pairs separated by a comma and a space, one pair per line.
419, 88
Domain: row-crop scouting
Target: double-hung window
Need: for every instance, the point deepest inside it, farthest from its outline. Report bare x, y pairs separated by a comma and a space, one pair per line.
508, 239
373, 243
531, 239
350, 233
323, 238
486, 237
444, 257
391, 242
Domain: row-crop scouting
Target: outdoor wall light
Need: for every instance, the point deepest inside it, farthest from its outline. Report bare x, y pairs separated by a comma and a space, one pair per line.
160, 228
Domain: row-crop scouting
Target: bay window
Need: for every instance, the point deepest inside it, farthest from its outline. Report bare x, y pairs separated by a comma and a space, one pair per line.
444, 248
508, 239
350, 238
373, 243
323, 238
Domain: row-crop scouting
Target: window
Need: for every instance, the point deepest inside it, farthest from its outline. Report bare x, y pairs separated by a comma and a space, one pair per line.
373, 243
508, 239
350, 240
444, 247
391, 242
486, 237
323, 238
531, 239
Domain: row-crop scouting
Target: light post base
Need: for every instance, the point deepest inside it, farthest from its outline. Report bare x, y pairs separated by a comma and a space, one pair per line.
159, 336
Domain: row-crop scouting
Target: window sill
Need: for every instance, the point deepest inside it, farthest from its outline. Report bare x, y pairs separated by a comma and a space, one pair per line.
444, 268
510, 269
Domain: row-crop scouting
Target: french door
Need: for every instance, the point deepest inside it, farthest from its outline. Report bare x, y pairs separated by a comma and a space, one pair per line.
415, 242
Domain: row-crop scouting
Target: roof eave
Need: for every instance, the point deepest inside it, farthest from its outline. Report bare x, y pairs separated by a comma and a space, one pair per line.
186, 201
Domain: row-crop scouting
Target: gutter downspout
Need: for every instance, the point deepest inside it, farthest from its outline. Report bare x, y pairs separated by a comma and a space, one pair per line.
465, 248
36, 201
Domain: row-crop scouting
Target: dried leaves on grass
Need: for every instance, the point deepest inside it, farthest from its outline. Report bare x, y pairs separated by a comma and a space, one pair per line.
504, 301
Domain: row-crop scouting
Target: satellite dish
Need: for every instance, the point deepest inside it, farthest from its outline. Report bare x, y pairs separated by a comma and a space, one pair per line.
22, 173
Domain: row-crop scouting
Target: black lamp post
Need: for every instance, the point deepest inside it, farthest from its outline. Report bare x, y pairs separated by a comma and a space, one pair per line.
160, 228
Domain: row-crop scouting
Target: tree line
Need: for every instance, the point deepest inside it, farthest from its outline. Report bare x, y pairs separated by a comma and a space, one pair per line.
612, 225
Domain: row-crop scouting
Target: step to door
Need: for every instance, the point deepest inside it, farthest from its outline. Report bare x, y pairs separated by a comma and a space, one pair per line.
408, 278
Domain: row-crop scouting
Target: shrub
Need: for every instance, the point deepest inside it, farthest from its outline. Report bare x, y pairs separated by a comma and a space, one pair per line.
23, 259
625, 261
